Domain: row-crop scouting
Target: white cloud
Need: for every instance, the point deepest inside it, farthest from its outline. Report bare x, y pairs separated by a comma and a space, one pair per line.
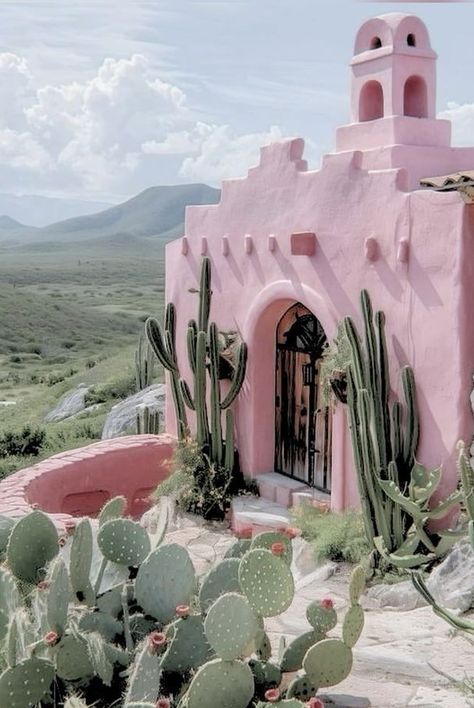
462, 117
222, 153
111, 133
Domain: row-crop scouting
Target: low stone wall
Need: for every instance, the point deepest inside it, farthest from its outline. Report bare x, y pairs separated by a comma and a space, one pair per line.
78, 482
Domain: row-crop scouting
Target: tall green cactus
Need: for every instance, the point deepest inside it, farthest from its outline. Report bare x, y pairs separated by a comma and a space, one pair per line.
144, 363
394, 489
205, 398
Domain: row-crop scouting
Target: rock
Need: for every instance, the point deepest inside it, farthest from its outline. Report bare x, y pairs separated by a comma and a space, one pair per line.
451, 583
336, 700
304, 561
121, 419
87, 411
71, 403
398, 596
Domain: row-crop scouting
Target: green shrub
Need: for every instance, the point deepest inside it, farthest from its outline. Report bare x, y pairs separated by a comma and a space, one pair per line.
335, 536
200, 487
26, 442
113, 390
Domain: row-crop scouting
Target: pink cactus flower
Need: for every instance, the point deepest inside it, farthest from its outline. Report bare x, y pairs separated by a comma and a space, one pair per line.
327, 603
314, 703
272, 695
244, 533
43, 585
51, 638
35, 506
156, 641
278, 548
182, 610
163, 703
62, 541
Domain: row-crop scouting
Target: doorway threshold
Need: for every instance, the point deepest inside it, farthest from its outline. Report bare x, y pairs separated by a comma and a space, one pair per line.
288, 492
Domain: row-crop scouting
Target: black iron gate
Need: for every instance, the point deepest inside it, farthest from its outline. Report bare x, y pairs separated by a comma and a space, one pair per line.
303, 425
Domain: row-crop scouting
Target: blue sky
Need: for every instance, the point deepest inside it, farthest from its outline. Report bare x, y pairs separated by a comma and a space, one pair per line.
102, 99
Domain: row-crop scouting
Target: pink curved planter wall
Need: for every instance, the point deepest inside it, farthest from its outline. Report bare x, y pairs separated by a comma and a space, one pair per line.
79, 482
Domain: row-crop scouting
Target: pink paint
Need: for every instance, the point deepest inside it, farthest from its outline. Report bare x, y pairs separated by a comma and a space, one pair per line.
370, 183
79, 482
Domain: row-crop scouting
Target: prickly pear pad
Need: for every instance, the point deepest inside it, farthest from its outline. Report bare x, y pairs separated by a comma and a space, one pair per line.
164, 581
72, 660
221, 684
321, 618
26, 684
113, 509
268, 538
230, 626
356, 584
267, 581
353, 625
294, 653
9, 600
302, 688
328, 662
33, 543
223, 578
188, 647
123, 541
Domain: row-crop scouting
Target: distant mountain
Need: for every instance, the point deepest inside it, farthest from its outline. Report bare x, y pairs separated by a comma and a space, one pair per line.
36, 210
157, 212
9, 224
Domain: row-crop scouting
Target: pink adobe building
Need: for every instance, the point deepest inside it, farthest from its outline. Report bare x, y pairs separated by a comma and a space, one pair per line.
291, 250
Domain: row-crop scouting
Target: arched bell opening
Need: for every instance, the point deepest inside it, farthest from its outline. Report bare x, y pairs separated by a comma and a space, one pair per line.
303, 424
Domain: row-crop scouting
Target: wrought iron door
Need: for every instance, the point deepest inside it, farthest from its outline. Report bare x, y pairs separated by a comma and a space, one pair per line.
302, 428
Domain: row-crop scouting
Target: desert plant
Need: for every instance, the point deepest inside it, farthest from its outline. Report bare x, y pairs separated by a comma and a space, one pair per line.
204, 359
148, 421
395, 490
25, 442
122, 619
335, 536
144, 363
197, 486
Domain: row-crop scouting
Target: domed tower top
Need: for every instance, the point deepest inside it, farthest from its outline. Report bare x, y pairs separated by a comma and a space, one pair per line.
393, 69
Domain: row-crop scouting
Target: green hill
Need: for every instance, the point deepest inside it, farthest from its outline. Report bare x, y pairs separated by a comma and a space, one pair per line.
154, 212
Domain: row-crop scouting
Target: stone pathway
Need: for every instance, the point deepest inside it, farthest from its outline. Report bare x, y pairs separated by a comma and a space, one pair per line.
392, 658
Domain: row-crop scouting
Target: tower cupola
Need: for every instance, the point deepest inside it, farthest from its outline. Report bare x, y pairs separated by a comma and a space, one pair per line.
393, 92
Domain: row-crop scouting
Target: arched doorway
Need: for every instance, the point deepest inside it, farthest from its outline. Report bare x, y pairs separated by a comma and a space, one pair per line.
302, 422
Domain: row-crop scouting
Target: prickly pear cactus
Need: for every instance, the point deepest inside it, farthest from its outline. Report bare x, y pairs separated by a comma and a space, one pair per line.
57, 602
9, 600
221, 684
188, 647
267, 582
144, 678
353, 625
268, 538
26, 684
165, 580
230, 626
302, 688
32, 544
294, 653
124, 542
80, 562
113, 509
321, 616
224, 577
328, 662
72, 659
6, 525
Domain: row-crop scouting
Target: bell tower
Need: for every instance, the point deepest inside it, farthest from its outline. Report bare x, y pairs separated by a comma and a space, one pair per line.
393, 92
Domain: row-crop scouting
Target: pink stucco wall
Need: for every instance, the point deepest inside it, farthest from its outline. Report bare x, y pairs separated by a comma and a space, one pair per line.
419, 273
79, 482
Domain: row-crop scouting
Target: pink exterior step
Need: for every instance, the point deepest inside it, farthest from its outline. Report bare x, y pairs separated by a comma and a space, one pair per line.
78, 482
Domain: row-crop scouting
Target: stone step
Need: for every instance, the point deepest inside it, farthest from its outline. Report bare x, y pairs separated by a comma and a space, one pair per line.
277, 488
258, 513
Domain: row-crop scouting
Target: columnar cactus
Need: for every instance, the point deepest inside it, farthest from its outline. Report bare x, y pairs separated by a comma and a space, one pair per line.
384, 442
203, 348
156, 636
144, 363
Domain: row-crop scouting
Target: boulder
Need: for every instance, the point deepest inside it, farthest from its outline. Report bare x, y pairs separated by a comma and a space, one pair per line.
451, 584
121, 419
71, 403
